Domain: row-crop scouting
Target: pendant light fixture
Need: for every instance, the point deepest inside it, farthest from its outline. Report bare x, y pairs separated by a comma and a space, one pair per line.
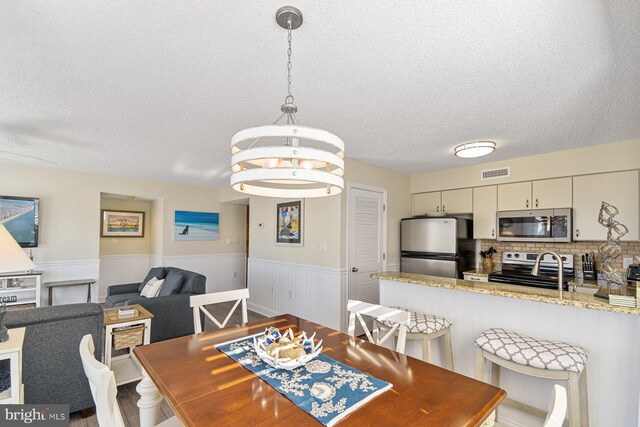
288, 159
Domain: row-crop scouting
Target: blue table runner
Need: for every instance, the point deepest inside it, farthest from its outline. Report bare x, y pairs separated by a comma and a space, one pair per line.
324, 388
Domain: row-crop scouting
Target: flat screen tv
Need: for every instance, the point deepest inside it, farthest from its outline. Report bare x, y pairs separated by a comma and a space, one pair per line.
20, 216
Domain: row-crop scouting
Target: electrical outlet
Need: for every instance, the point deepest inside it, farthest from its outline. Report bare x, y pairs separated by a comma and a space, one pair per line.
235, 274
273, 290
626, 262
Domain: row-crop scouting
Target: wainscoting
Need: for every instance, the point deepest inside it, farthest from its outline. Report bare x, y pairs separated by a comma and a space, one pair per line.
69, 270
316, 294
224, 272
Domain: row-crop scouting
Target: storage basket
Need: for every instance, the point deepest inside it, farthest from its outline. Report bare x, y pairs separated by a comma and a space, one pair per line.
128, 336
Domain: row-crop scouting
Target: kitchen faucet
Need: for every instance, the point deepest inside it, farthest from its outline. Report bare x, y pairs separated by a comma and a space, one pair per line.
558, 258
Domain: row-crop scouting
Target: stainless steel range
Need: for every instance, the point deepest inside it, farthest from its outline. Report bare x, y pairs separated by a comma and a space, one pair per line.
517, 266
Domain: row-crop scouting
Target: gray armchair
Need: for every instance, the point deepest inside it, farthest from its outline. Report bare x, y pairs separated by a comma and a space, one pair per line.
172, 313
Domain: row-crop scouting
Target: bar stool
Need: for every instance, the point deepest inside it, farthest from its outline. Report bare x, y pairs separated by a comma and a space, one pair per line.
538, 358
426, 328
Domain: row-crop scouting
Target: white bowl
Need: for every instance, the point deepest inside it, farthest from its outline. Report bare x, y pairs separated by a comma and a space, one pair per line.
260, 346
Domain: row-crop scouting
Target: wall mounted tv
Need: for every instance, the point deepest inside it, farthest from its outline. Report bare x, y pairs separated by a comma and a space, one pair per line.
20, 216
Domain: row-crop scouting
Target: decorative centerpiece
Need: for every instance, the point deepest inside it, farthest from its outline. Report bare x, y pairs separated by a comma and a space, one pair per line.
284, 351
487, 259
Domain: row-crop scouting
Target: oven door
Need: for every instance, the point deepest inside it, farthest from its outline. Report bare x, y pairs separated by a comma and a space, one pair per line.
525, 226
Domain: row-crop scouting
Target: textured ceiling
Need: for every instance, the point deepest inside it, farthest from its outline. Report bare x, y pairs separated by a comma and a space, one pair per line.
156, 89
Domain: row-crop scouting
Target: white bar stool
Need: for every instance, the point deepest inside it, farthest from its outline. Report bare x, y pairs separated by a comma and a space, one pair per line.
426, 328
538, 358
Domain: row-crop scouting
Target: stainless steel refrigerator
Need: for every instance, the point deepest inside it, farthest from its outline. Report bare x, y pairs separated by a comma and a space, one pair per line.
437, 246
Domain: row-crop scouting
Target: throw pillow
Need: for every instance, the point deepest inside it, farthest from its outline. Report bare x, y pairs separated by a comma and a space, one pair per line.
172, 283
157, 272
152, 288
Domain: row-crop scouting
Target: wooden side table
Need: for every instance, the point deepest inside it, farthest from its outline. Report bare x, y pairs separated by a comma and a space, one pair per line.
126, 367
12, 350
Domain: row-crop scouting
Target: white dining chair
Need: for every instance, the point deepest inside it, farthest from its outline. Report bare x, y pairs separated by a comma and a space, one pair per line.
398, 319
102, 383
198, 303
557, 407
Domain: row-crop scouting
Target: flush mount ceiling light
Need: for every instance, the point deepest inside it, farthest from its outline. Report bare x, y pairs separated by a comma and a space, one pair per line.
475, 149
287, 160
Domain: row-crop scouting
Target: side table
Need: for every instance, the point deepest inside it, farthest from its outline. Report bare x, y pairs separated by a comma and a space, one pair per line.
126, 367
12, 350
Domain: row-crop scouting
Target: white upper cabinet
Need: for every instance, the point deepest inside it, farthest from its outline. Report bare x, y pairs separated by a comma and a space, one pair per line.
426, 202
552, 193
589, 191
514, 197
485, 203
542, 194
457, 201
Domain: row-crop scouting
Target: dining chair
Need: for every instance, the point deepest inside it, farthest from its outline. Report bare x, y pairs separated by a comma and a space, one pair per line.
102, 383
398, 319
198, 303
557, 407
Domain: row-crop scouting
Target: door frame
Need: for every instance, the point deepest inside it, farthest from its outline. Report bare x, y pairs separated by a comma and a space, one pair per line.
350, 187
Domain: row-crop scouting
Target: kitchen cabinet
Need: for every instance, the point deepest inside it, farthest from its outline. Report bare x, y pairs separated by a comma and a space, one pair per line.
450, 201
485, 204
617, 188
426, 202
457, 201
540, 194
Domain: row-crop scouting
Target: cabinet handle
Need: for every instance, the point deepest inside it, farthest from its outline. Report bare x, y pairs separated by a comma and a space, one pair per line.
438, 208
527, 203
536, 202
443, 208
493, 233
577, 233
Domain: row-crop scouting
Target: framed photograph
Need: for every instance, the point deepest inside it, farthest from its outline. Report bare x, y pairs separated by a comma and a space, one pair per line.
121, 223
289, 225
20, 216
188, 225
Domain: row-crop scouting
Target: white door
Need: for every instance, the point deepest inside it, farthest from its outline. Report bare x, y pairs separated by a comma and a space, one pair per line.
514, 197
485, 203
552, 193
457, 201
367, 241
426, 202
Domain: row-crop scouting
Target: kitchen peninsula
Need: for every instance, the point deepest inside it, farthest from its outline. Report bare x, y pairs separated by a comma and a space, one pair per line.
609, 333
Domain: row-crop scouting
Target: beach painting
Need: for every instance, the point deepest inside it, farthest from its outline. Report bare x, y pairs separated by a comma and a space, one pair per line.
20, 217
190, 225
289, 223
121, 223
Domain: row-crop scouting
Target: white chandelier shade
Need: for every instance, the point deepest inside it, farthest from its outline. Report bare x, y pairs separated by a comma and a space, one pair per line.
311, 164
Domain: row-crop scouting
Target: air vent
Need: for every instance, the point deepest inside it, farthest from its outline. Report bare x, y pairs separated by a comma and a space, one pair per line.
496, 173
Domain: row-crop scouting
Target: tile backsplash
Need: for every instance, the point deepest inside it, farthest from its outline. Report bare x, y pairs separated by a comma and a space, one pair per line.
629, 250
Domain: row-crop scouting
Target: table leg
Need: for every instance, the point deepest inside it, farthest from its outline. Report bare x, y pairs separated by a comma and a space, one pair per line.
149, 402
89, 293
50, 297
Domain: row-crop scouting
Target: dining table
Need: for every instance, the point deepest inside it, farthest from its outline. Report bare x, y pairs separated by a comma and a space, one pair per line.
205, 387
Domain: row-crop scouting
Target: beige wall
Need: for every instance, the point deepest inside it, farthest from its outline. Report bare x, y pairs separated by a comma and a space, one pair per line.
70, 211
598, 158
127, 245
398, 203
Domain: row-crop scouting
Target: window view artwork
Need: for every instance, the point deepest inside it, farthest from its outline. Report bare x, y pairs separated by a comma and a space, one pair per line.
122, 224
289, 223
196, 225
20, 217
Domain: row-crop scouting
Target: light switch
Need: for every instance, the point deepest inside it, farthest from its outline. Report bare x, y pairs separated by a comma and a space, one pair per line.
323, 246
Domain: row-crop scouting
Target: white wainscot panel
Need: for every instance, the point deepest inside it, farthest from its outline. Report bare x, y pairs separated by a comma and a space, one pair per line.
313, 293
121, 269
224, 272
54, 271
610, 338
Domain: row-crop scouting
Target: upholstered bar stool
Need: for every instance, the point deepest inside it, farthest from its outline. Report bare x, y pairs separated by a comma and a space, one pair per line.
554, 360
426, 328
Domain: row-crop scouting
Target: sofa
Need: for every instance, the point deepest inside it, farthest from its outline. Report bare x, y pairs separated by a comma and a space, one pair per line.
51, 367
172, 313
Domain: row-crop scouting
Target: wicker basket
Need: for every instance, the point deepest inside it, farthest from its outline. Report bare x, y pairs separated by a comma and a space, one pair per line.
127, 337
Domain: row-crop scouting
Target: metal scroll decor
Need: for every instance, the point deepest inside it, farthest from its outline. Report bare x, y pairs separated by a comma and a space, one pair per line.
610, 250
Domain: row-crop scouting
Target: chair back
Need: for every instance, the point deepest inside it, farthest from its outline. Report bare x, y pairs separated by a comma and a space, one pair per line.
557, 407
103, 386
399, 318
198, 302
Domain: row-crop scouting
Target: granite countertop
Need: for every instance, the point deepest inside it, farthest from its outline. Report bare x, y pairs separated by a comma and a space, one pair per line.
549, 296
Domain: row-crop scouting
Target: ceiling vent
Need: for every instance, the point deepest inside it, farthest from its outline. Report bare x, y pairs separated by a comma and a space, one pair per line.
496, 173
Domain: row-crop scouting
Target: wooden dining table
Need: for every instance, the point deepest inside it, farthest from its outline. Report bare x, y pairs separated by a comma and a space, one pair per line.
205, 387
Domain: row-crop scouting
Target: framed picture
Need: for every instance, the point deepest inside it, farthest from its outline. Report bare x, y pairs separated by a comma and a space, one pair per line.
188, 225
20, 216
289, 226
121, 223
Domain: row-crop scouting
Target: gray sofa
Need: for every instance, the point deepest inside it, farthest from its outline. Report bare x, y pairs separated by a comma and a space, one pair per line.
51, 366
172, 313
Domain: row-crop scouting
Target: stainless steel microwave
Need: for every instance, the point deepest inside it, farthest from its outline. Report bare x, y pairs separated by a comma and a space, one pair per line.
537, 225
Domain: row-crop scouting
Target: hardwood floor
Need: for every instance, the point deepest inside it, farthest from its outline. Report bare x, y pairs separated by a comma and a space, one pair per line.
127, 395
